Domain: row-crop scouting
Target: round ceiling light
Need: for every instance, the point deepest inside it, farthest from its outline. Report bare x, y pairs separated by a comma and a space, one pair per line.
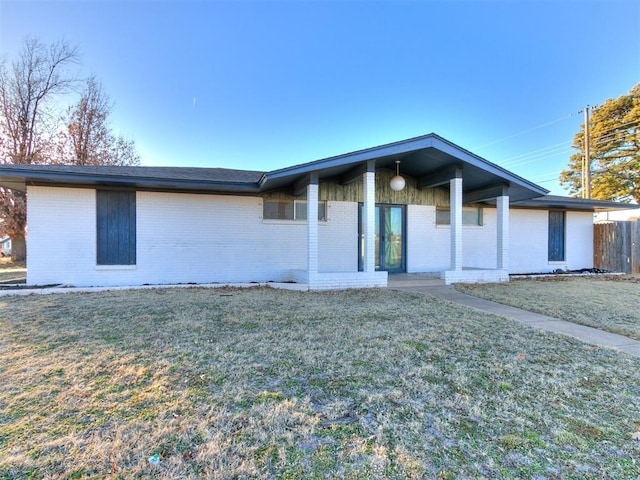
397, 183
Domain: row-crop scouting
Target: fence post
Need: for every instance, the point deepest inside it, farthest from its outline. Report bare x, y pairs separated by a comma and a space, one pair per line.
635, 246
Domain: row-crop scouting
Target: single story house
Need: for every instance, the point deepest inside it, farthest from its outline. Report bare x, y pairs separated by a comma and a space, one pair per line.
418, 205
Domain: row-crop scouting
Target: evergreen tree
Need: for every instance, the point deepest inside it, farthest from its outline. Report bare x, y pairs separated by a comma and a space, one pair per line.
614, 131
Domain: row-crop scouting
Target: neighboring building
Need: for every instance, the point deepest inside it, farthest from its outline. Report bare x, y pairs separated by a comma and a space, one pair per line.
5, 246
332, 223
619, 216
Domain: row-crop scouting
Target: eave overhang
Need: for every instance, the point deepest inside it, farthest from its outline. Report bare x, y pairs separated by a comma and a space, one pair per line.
555, 202
430, 159
19, 179
422, 157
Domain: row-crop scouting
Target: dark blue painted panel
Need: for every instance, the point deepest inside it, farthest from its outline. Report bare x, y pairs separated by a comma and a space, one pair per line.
556, 236
116, 227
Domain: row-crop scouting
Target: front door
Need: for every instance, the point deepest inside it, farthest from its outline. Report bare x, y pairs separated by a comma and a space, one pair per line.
389, 238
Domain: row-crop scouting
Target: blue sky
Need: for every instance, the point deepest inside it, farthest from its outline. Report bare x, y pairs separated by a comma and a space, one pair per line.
263, 85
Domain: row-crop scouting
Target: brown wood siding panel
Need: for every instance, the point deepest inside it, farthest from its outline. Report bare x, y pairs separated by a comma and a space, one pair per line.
332, 190
410, 195
616, 246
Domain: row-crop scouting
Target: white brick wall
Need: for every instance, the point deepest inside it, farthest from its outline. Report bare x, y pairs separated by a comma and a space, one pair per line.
529, 232
502, 231
339, 238
215, 238
428, 247
579, 240
481, 242
474, 276
181, 238
61, 235
340, 280
528, 243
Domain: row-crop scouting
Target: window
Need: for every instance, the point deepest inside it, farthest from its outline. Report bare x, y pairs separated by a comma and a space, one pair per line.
291, 210
116, 227
470, 216
556, 236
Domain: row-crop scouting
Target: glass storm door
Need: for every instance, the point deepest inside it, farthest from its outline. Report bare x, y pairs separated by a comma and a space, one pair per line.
389, 238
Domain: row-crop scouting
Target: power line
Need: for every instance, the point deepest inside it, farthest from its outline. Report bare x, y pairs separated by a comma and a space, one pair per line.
537, 153
622, 125
525, 131
535, 158
555, 172
606, 136
557, 149
546, 181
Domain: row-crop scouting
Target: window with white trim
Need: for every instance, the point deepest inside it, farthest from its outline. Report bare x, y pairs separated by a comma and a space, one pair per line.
470, 216
290, 210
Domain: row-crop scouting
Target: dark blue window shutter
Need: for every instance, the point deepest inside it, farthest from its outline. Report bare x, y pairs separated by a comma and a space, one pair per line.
556, 236
116, 227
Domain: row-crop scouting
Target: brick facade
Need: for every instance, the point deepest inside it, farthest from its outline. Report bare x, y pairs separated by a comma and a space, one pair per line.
183, 238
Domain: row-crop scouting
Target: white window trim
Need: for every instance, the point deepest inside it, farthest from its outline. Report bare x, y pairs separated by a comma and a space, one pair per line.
464, 225
115, 267
295, 221
273, 221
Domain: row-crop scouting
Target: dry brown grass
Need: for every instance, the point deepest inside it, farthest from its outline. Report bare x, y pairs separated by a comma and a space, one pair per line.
610, 303
10, 270
261, 383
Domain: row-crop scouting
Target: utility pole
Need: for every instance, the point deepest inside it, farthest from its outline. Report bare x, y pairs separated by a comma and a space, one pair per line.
586, 171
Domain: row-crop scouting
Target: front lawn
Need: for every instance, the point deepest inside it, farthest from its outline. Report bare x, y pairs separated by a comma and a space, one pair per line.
261, 383
10, 270
607, 302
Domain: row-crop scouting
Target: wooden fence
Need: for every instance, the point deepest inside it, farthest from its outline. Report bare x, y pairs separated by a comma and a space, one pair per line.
616, 246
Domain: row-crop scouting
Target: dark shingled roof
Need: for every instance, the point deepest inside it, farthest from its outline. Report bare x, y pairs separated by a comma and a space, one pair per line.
572, 203
159, 173
424, 157
179, 179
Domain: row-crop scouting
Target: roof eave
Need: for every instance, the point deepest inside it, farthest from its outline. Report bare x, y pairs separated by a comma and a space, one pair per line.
20, 181
404, 146
574, 204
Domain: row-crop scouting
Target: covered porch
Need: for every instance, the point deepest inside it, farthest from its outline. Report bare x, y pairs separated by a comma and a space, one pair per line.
424, 163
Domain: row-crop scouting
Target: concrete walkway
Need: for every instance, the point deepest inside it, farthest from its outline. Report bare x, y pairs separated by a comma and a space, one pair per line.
581, 332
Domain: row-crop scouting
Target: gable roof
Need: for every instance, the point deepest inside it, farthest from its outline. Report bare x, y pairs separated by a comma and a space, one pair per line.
423, 157
420, 157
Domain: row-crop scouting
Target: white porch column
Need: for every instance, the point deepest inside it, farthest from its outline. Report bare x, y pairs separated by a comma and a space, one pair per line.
312, 226
369, 217
455, 210
502, 205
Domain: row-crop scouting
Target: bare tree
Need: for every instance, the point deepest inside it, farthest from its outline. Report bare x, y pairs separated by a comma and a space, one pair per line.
27, 88
89, 137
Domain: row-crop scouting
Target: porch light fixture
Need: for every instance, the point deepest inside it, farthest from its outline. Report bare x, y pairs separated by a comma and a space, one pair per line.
397, 183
